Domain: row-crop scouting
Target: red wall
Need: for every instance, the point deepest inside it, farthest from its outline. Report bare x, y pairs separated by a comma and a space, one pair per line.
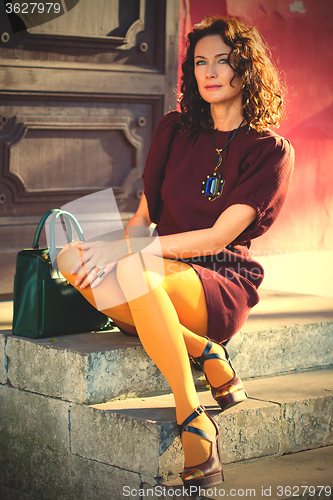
300, 35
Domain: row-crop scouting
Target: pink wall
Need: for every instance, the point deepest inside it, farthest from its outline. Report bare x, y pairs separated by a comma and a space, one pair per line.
300, 35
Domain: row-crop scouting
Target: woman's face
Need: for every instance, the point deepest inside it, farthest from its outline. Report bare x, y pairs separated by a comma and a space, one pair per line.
213, 73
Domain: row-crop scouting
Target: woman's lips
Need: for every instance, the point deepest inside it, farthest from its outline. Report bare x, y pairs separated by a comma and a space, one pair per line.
212, 87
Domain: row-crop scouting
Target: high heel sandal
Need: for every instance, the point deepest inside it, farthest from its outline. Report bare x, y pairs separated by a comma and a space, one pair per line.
232, 392
210, 472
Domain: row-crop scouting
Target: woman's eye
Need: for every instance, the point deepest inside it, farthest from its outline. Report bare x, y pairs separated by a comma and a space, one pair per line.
223, 61
200, 63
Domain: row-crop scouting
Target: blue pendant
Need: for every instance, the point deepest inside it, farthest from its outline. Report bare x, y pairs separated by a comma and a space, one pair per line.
212, 186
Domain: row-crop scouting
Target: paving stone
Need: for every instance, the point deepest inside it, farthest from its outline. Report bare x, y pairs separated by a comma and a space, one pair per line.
278, 309
293, 386
83, 368
283, 477
37, 420
307, 475
52, 449
33, 430
44, 370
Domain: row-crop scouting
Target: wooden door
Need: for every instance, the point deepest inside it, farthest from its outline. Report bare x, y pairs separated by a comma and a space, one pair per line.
80, 97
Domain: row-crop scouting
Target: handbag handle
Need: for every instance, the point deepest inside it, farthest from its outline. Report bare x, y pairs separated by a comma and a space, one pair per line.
40, 226
70, 220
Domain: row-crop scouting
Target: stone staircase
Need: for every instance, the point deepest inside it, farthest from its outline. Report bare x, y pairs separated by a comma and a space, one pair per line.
90, 417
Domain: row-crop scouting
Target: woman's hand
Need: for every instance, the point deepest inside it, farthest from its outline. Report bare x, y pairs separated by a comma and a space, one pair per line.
97, 260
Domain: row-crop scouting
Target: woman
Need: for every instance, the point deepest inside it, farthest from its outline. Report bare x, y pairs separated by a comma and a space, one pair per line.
215, 178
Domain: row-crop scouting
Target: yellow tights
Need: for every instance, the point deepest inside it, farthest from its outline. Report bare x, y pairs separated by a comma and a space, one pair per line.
170, 320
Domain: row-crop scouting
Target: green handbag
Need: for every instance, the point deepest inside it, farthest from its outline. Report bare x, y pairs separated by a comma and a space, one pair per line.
45, 304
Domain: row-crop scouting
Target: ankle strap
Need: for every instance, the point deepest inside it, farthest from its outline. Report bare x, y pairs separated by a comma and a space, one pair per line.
188, 428
206, 355
189, 419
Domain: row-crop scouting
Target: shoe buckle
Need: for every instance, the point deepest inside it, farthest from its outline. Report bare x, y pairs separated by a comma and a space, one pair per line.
199, 410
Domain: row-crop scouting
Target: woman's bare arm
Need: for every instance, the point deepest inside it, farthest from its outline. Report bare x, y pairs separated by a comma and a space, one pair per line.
211, 241
141, 216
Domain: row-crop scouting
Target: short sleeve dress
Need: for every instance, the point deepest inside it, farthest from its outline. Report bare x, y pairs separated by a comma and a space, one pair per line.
257, 169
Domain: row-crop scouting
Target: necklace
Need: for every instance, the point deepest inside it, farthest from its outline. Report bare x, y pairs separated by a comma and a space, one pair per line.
212, 186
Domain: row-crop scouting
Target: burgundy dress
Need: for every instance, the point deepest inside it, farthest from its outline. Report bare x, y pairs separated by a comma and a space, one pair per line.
257, 169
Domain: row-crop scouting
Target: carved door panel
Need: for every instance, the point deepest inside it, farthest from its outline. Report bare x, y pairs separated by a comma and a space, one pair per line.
80, 96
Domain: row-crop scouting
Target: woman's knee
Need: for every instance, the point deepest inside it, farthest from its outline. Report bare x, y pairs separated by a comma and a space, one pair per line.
130, 276
68, 255
140, 272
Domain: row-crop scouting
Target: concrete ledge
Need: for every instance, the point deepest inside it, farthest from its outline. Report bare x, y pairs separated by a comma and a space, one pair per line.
115, 439
53, 449
284, 333
282, 350
266, 478
64, 476
314, 424
83, 368
35, 454
284, 414
3, 360
42, 422
306, 402
93, 368
11, 494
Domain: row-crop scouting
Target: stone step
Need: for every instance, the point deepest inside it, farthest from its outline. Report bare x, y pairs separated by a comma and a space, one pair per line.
283, 414
307, 475
284, 333
55, 449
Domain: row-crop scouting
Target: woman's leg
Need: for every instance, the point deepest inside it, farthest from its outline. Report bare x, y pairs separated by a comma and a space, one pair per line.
217, 371
157, 316
160, 332
185, 290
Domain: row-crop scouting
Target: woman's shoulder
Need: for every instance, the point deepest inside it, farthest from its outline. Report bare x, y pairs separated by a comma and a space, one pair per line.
266, 138
266, 142
167, 128
165, 132
170, 120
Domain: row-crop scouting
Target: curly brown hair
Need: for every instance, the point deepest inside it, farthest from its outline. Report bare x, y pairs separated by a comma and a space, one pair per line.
250, 57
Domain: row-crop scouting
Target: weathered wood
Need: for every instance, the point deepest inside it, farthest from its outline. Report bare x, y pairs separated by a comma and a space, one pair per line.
79, 102
69, 80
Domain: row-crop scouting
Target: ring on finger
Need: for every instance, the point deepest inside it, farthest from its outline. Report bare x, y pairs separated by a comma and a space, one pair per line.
100, 272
